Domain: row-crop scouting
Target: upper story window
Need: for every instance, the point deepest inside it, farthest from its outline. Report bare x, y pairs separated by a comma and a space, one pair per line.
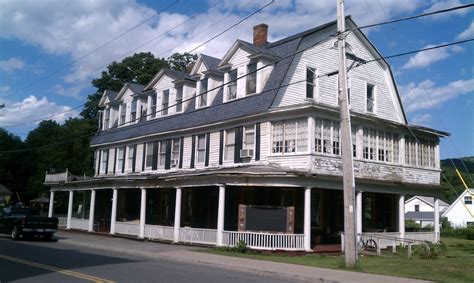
203, 93
229, 145
162, 154
232, 85
370, 95
310, 82
114, 117
106, 118
326, 137
251, 85
121, 159
417, 207
133, 111
104, 161
354, 141
249, 137
467, 200
179, 99
151, 151
153, 106
380, 145
123, 113
420, 153
369, 144
131, 157
201, 149
165, 102
290, 136
175, 152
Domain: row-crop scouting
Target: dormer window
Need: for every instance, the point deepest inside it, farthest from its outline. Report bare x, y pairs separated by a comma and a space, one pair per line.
133, 113
123, 112
251, 78
232, 85
203, 93
165, 102
106, 118
179, 99
310, 79
153, 106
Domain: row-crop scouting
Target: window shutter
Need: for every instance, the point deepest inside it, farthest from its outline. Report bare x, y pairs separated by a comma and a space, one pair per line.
134, 158
144, 156
168, 154
238, 144
208, 141
154, 159
124, 161
257, 142
181, 147
221, 147
107, 162
115, 160
193, 150
100, 162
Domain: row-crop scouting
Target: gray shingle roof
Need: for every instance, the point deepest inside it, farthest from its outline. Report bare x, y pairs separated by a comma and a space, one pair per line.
210, 62
420, 215
135, 88
111, 94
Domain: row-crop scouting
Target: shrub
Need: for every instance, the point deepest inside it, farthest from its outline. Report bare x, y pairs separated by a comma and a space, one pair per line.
241, 247
463, 233
429, 250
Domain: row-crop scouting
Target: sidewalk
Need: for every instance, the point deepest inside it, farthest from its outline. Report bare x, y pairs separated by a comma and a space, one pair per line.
186, 254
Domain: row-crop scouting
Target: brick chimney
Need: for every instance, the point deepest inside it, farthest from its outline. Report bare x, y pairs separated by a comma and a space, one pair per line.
260, 33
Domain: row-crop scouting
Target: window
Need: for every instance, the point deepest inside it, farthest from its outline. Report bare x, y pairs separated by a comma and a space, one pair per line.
417, 207
369, 145
104, 161
133, 113
162, 154
123, 112
420, 152
251, 78
232, 86
290, 136
175, 150
165, 102
380, 145
203, 93
354, 141
179, 99
201, 149
120, 159
249, 137
468, 200
114, 115
310, 82
229, 144
327, 138
370, 98
131, 157
153, 106
106, 118
151, 149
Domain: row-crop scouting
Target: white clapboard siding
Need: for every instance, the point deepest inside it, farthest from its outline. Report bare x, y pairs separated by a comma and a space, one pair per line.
139, 157
265, 140
294, 161
187, 152
214, 149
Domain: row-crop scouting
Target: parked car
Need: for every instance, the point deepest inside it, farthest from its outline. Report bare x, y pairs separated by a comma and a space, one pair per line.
19, 221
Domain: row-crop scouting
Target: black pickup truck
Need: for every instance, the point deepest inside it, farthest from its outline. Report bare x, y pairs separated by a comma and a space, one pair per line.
18, 221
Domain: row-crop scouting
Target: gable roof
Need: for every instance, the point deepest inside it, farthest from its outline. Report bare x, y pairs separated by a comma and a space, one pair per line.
428, 200
176, 75
471, 192
107, 94
134, 88
210, 62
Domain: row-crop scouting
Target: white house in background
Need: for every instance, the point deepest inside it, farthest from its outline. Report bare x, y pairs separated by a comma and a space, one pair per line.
421, 210
461, 212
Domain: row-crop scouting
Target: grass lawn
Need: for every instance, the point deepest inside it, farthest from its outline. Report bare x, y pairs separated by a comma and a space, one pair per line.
456, 265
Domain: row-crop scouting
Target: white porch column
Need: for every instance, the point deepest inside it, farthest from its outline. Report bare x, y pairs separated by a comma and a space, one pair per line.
91, 212
307, 219
142, 214
113, 217
177, 215
51, 204
436, 219
401, 215
220, 215
69, 209
359, 212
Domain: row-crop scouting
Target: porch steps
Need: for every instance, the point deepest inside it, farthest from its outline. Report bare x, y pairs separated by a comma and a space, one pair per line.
333, 249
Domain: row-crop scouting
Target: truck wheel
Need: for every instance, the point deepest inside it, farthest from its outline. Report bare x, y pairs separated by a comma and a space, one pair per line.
15, 234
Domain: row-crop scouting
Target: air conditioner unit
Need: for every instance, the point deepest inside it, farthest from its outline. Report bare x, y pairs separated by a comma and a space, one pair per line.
246, 153
174, 163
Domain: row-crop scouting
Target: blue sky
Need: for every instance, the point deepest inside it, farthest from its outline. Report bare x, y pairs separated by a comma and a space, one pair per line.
45, 68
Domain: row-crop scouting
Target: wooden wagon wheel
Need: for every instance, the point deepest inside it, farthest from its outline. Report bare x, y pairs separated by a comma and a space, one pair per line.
370, 245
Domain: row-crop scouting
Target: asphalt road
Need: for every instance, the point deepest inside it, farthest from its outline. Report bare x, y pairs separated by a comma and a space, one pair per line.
38, 261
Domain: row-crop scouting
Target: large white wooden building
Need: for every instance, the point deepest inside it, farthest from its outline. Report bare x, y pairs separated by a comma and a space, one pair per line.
247, 147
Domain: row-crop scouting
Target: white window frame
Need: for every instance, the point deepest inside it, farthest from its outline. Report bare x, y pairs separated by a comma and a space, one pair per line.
133, 111
231, 83
149, 154
314, 83
179, 99
203, 93
285, 141
123, 114
198, 149
374, 98
228, 145
165, 102
104, 161
161, 154
329, 130
153, 111
129, 165
120, 158
251, 77
247, 130
175, 155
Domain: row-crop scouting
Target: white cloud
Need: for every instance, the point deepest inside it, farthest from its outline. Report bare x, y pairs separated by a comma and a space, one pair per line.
11, 64
427, 95
445, 4
5, 90
32, 109
426, 58
421, 119
468, 33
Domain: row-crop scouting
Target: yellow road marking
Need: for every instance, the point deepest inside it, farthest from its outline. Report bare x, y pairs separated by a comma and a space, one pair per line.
56, 269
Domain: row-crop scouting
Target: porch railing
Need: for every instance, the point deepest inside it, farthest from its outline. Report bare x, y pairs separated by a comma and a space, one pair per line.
55, 178
80, 224
198, 236
156, 232
422, 236
62, 221
265, 241
127, 228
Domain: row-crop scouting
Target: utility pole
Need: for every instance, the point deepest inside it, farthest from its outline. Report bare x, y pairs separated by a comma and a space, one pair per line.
350, 252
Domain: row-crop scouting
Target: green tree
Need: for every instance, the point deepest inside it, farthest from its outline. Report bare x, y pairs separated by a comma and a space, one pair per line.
14, 166
182, 62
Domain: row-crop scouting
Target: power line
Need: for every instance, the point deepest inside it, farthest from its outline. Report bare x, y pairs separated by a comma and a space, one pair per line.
99, 47
44, 118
